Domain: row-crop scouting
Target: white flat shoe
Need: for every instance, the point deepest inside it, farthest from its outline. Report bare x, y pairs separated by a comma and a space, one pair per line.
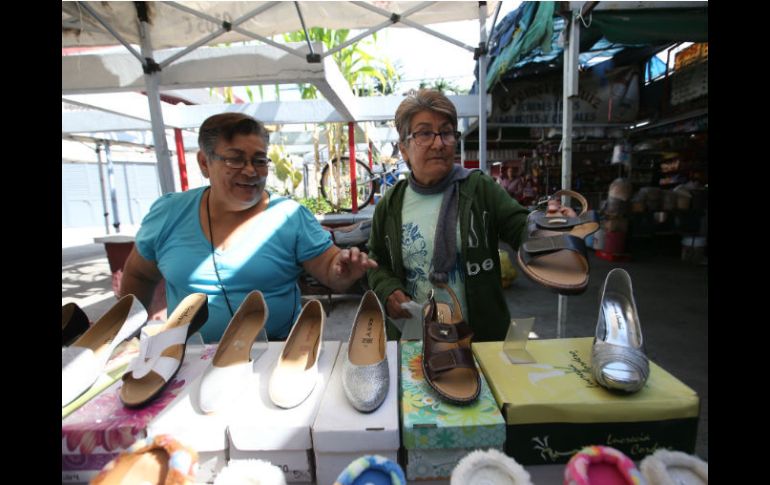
365, 376
84, 360
296, 372
618, 359
223, 381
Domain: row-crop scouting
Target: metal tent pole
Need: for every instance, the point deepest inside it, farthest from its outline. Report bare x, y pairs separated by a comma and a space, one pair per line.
482, 56
152, 81
101, 188
111, 186
569, 92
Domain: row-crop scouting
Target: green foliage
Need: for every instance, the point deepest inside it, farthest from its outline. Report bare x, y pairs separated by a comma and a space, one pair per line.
443, 86
316, 205
365, 73
284, 167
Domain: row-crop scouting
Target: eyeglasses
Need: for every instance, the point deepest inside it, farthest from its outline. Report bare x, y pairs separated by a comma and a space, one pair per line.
240, 162
426, 137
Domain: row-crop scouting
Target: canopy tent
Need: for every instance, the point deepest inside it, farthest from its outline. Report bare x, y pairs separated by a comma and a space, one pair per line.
186, 27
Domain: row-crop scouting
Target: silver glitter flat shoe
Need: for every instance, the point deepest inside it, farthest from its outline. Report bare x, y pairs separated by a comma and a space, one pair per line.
618, 358
365, 376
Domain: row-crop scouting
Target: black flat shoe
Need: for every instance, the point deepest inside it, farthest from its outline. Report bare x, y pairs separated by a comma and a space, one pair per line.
74, 322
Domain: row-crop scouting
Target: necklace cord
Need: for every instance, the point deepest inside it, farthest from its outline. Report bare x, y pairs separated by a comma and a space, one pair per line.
213, 256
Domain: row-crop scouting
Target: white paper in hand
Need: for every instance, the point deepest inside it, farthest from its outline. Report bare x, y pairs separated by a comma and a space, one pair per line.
411, 328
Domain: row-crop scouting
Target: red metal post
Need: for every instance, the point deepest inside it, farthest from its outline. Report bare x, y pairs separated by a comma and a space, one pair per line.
352, 150
180, 158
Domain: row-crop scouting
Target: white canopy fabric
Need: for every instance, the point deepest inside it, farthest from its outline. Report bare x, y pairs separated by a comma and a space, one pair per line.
162, 25
176, 25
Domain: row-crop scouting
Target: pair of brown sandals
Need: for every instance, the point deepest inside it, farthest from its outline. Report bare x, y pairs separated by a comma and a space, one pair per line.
554, 252
447, 360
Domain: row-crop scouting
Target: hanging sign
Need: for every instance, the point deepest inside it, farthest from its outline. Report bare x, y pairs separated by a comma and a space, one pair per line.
609, 97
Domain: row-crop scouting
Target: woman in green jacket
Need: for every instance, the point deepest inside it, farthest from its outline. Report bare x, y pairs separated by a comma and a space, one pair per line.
442, 225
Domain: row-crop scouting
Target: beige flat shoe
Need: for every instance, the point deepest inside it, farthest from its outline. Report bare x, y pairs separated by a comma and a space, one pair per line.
296, 372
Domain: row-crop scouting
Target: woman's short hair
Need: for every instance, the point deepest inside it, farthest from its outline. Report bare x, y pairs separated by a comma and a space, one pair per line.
225, 126
423, 100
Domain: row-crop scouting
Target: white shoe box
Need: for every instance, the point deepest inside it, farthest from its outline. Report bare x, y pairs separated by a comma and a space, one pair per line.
258, 429
341, 433
205, 433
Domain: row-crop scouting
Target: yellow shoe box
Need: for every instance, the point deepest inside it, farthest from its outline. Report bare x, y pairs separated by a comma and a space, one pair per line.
554, 407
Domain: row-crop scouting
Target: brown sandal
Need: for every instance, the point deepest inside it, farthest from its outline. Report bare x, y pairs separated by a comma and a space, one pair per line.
554, 253
447, 360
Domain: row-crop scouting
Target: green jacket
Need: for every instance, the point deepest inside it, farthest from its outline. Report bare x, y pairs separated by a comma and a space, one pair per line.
486, 214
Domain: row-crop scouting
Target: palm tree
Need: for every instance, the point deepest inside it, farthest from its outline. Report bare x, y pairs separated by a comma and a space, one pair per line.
365, 73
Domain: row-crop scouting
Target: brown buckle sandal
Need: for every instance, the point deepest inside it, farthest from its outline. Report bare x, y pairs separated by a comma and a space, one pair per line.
447, 360
554, 253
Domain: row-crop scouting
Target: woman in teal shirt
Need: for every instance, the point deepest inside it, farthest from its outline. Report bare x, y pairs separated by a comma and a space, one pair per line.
233, 237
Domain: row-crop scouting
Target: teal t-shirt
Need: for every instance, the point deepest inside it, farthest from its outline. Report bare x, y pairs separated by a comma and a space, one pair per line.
267, 258
419, 217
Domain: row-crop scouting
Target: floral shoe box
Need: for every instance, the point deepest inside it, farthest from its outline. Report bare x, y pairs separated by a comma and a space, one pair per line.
435, 433
341, 433
258, 429
99, 430
553, 407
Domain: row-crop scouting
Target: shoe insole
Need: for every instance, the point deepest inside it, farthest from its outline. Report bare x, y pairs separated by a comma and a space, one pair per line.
621, 328
235, 346
150, 467
460, 383
607, 474
137, 391
300, 350
100, 335
367, 345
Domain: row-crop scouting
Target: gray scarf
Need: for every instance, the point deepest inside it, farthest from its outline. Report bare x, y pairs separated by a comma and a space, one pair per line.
444, 241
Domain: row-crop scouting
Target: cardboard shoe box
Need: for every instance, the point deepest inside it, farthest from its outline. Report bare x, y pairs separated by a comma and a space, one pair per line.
341, 433
437, 434
186, 422
554, 407
258, 429
98, 431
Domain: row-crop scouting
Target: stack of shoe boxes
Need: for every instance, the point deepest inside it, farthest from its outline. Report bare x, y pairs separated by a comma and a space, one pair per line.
435, 433
103, 427
554, 407
258, 429
205, 433
341, 433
